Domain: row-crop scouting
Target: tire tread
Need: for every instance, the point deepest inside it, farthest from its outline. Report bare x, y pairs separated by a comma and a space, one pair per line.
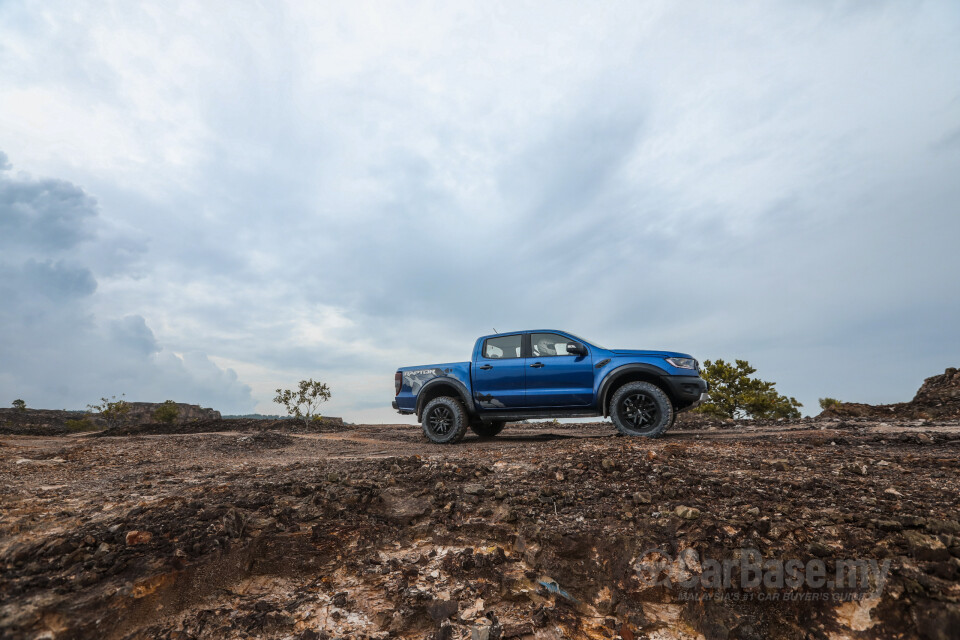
668, 413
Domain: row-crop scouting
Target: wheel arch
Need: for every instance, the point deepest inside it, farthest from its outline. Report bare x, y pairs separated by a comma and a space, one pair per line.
443, 387
630, 373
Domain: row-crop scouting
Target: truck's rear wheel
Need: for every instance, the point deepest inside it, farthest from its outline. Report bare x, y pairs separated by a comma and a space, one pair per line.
444, 420
487, 429
641, 409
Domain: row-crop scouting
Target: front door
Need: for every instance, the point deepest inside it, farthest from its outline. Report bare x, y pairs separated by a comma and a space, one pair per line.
499, 375
556, 378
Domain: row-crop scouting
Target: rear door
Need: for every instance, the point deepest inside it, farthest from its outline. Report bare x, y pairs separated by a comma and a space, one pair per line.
556, 378
499, 373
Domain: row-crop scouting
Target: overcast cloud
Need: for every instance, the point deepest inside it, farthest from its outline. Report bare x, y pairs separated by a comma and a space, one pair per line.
205, 202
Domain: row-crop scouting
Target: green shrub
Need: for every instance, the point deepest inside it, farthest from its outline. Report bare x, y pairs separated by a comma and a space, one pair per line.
113, 411
304, 402
19, 405
826, 403
83, 424
167, 412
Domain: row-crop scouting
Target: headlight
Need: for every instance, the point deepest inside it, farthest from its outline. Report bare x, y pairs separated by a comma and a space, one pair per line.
683, 363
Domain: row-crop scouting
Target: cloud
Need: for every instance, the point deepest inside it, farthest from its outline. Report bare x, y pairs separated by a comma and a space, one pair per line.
56, 351
319, 192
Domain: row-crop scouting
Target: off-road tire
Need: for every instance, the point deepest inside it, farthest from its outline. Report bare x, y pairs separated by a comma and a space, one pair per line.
641, 409
444, 412
487, 429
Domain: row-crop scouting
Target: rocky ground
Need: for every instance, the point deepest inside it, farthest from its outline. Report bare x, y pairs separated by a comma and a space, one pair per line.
543, 532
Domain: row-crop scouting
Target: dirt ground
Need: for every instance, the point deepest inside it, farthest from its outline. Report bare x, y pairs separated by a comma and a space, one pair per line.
547, 531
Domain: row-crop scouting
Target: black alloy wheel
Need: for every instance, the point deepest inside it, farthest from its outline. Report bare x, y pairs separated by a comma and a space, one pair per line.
444, 420
441, 419
641, 409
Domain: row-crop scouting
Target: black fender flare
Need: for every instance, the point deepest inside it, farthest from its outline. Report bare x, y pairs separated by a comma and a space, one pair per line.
459, 386
605, 385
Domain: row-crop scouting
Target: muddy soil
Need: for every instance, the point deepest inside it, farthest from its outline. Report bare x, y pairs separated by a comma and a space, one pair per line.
547, 531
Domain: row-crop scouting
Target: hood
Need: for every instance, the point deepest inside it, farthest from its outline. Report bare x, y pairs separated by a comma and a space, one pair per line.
652, 354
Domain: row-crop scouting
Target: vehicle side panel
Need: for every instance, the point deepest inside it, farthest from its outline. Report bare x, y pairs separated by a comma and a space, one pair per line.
415, 378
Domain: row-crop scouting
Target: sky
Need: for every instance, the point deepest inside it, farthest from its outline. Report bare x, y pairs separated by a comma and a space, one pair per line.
207, 201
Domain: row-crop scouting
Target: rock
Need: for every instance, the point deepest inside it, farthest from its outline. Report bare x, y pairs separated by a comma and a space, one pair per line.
937, 620
687, 513
608, 464
819, 549
893, 492
442, 608
473, 489
778, 464
399, 506
142, 412
473, 611
753, 511
481, 632
642, 497
889, 525
517, 630
138, 537
444, 633
924, 547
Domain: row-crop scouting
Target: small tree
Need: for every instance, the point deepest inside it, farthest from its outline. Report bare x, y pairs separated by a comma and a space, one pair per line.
19, 405
826, 403
114, 412
734, 394
303, 403
167, 412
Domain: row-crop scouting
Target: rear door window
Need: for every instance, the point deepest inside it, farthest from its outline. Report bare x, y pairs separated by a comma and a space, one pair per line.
502, 347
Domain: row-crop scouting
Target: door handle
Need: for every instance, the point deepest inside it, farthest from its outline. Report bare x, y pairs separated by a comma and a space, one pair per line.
537, 365
487, 366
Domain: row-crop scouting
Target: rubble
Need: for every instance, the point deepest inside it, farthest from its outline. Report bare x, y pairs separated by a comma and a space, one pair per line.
548, 531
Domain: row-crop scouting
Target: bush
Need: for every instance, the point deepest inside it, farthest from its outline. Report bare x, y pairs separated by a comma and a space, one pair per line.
19, 405
83, 424
303, 402
826, 403
113, 411
167, 412
734, 394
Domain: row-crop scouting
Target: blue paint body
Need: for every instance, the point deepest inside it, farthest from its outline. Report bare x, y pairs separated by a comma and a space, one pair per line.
552, 385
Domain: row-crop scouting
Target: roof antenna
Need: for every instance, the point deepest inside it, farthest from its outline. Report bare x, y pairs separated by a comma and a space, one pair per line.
495, 330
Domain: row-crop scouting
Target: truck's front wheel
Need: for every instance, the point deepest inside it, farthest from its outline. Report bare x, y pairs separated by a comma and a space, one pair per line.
487, 429
445, 420
641, 409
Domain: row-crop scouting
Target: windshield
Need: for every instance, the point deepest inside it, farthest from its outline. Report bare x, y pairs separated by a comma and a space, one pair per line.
588, 341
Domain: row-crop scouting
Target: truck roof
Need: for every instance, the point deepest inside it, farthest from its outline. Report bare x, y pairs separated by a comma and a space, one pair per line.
510, 333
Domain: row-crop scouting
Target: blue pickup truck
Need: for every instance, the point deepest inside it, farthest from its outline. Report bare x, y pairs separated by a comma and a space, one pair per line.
548, 374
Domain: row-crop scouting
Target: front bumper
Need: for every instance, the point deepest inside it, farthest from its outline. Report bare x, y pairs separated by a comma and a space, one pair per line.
687, 391
703, 398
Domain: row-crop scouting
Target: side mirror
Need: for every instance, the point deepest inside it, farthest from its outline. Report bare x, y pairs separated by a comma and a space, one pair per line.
576, 349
